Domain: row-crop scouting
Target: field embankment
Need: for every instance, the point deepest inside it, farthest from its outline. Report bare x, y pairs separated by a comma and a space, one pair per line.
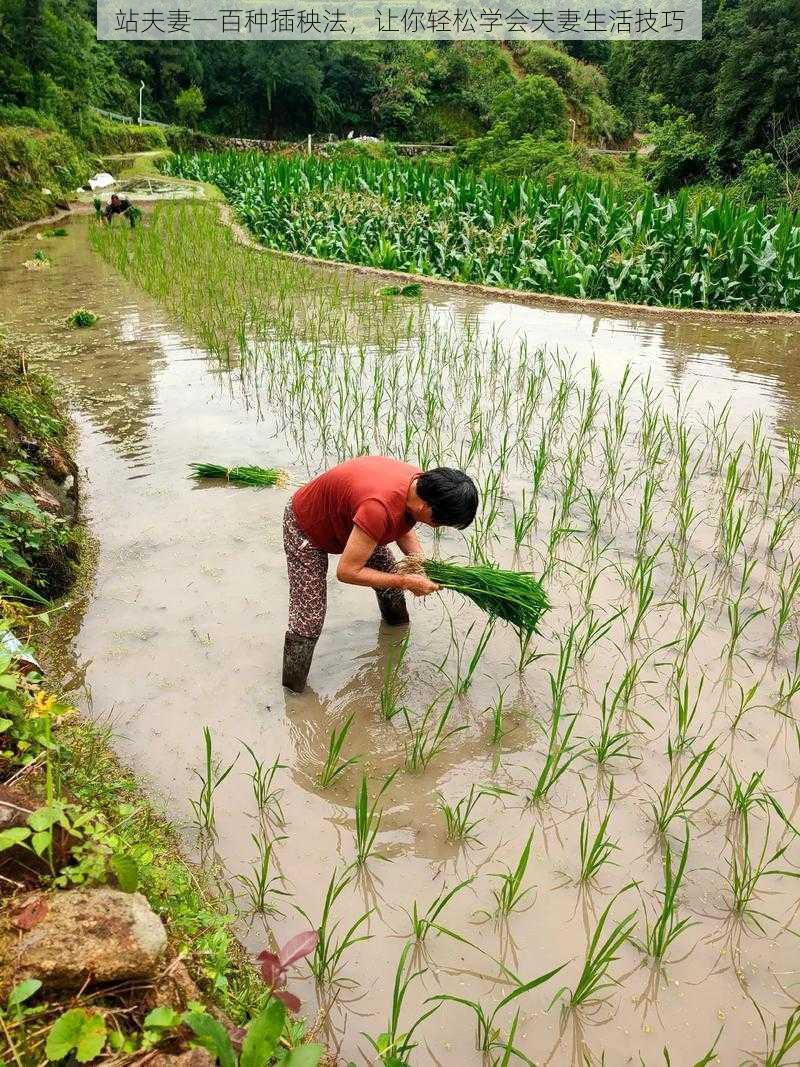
111, 945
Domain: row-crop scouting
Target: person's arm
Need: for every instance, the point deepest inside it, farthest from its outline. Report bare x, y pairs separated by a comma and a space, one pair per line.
410, 545
353, 569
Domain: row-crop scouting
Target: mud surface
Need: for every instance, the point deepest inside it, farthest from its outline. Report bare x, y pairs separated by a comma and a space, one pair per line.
184, 629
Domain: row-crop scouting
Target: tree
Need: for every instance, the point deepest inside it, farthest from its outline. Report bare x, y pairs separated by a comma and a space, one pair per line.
535, 105
190, 105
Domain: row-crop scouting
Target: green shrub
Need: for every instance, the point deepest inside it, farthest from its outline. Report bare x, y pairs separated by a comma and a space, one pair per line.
535, 105
190, 105
32, 160
762, 181
114, 138
682, 154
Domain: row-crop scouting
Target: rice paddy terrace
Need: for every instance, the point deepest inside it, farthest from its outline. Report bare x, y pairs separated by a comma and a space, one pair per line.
579, 849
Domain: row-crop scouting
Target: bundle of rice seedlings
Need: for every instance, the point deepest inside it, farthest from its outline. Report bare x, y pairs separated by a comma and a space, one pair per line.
257, 476
82, 318
412, 289
59, 231
514, 596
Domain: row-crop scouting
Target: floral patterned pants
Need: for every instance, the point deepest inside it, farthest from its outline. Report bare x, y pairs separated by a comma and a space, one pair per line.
308, 577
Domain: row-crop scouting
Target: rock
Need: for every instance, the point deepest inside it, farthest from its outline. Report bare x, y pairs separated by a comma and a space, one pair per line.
90, 935
174, 988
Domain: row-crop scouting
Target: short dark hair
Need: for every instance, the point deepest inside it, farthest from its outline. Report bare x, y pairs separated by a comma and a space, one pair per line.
450, 494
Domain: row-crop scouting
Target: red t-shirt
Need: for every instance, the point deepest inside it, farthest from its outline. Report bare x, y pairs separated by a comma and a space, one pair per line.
369, 492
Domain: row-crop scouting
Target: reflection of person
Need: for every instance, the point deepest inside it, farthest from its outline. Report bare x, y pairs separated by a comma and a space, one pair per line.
117, 205
357, 510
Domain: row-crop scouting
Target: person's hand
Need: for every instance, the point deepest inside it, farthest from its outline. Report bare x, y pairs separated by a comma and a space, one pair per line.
419, 585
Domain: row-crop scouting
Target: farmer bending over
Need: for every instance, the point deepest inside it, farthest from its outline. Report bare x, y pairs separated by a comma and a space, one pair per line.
356, 510
116, 206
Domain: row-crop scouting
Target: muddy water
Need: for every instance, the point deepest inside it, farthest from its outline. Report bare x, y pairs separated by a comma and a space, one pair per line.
184, 628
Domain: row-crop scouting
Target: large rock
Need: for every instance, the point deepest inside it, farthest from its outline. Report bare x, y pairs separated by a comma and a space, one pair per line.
85, 935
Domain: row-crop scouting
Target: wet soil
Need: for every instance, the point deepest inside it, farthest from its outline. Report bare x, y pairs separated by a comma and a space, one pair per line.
184, 629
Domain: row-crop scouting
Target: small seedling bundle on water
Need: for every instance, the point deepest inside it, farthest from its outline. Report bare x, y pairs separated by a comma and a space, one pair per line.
514, 596
82, 318
253, 476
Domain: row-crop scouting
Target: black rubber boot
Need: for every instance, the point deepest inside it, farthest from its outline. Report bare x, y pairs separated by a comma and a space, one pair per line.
298, 651
392, 603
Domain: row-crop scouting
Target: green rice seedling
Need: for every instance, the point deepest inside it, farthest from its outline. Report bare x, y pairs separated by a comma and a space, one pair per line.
59, 231
682, 788
686, 703
746, 873
643, 590
510, 895
507, 1047
792, 456
463, 683
412, 289
498, 719
734, 523
523, 521
262, 885
746, 704
743, 796
97, 204
596, 850
394, 684
368, 820
458, 818
593, 632
335, 766
429, 737
782, 1042
211, 778
423, 923
789, 685
560, 756
251, 476
602, 951
788, 592
709, 1057
487, 1032
267, 796
513, 596
667, 927
394, 1047
739, 617
326, 962
41, 256
81, 318
611, 743
782, 526
646, 515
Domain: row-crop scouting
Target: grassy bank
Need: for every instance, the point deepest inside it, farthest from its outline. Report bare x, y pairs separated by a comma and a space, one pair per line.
73, 819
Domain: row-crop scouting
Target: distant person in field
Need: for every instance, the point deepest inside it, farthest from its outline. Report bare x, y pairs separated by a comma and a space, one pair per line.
117, 205
356, 510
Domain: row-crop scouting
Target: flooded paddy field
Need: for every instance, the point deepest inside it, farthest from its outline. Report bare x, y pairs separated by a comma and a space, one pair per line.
645, 744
